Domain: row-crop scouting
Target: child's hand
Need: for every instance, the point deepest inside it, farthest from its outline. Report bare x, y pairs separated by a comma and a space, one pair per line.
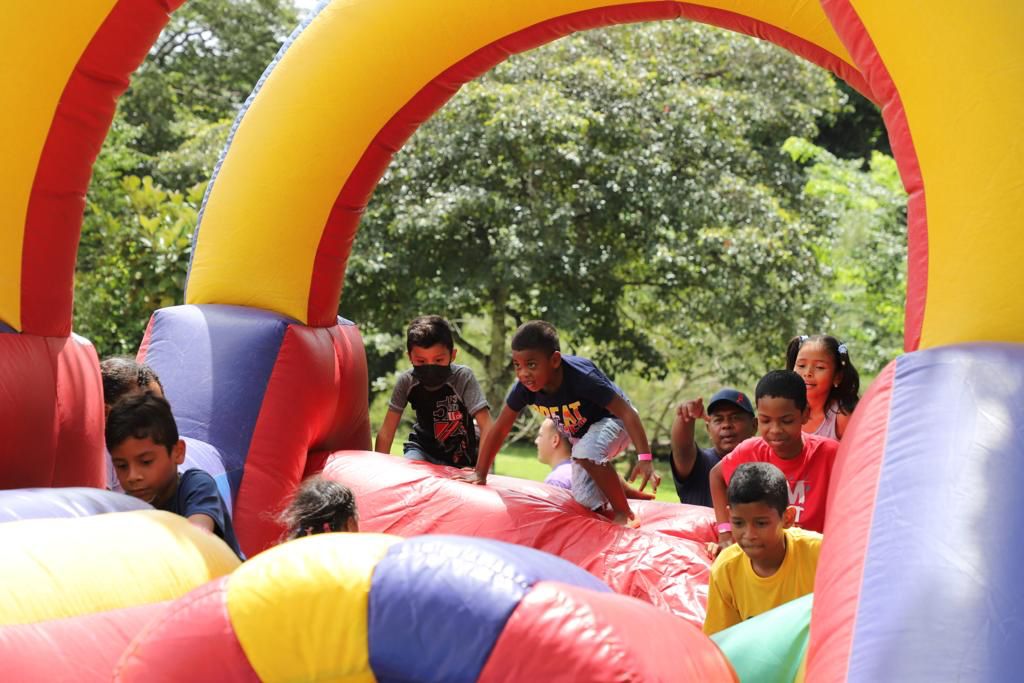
724, 541
630, 521
691, 410
646, 469
471, 476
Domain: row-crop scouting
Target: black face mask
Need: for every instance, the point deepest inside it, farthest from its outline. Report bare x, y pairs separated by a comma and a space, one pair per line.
432, 375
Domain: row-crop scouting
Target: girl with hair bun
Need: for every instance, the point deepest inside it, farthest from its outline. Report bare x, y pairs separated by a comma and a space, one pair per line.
320, 506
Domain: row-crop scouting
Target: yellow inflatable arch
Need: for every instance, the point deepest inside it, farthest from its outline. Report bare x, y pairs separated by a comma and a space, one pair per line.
359, 76
349, 89
354, 82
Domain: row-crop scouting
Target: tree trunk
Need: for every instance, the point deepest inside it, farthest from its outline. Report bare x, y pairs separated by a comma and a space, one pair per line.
496, 363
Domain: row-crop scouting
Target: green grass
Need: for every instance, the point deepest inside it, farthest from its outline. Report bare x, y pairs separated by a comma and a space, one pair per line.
520, 460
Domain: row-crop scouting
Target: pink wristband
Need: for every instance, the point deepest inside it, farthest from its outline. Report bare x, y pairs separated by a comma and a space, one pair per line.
644, 457
724, 528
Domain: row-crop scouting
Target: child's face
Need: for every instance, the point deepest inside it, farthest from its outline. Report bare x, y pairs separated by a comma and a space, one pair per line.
147, 470
758, 529
779, 423
438, 354
817, 368
728, 426
536, 370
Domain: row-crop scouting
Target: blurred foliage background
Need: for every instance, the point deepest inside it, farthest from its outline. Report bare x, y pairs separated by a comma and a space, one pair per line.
677, 199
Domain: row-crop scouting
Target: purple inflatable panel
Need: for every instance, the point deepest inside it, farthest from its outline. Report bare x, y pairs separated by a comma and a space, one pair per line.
77, 501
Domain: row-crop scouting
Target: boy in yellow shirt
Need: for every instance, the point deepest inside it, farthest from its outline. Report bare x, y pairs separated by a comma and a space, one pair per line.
771, 562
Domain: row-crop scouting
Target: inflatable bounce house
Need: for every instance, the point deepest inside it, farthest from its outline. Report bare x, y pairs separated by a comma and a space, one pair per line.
916, 580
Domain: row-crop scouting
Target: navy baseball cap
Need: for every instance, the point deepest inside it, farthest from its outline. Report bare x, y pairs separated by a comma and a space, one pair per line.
737, 398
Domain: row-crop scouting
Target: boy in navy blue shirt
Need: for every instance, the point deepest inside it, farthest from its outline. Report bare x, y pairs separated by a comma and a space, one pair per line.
142, 438
730, 421
585, 405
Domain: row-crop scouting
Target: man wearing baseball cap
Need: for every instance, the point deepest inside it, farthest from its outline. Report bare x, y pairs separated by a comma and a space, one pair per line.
729, 419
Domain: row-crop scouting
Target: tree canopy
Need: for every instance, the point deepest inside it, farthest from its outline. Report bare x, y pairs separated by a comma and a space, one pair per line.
149, 179
630, 186
677, 199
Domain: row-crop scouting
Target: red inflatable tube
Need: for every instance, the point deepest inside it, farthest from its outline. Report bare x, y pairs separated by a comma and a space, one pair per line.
51, 412
616, 639
663, 562
315, 402
81, 649
199, 619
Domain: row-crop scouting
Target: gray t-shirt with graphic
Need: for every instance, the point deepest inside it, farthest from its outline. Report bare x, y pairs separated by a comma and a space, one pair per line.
444, 428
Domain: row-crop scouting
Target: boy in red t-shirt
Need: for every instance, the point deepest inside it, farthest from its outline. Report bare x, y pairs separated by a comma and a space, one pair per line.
805, 459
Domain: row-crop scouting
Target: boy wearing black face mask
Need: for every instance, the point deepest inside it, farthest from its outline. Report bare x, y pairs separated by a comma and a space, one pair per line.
446, 397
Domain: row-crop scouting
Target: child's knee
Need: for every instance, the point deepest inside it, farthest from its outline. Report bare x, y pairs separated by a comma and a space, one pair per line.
591, 465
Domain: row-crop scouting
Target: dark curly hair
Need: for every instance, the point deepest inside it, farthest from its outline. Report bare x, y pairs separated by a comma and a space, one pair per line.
782, 384
319, 506
143, 416
759, 482
427, 330
536, 335
123, 375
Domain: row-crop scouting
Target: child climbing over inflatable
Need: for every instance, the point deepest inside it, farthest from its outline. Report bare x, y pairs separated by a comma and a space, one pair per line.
143, 441
586, 406
823, 362
446, 398
320, 506
772, 562
806, 460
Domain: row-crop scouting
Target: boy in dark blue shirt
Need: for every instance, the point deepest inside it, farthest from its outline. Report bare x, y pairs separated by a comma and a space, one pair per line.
142, 438
585, 406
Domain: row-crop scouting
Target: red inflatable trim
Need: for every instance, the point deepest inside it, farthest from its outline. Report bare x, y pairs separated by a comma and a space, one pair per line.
28, 411
79, 453
854, 34
316, 401
663, 562
852, 494
198, 621
51, 412
82, 649
80, 123
814, 54
147, 336
343, 222
602, 638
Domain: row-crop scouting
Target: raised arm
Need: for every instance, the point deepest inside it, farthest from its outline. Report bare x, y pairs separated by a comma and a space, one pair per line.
484, 422
684, 449
386, 435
